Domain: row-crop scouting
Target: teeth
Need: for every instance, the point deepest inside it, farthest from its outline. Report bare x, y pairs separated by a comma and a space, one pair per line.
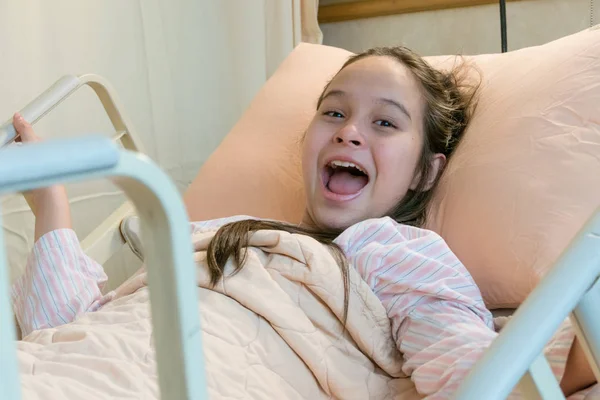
345, 164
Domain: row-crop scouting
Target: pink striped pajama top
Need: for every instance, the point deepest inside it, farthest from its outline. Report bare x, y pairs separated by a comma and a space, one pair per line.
438, 317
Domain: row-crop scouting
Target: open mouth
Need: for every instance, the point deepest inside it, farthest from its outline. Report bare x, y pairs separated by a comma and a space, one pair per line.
344, 178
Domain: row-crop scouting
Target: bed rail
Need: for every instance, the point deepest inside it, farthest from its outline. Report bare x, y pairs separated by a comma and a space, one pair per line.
165, 231
105, 240
62, 89
572, 288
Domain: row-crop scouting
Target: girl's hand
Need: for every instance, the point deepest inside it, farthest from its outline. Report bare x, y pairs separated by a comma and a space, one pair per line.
27, 135
49, 205
24, 129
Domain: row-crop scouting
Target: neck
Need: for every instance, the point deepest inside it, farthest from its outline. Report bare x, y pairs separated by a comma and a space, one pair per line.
307, 221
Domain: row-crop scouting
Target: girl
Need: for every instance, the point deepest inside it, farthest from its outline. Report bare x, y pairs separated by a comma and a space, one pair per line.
383, 131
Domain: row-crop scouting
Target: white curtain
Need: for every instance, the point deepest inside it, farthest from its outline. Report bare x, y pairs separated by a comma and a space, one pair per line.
289, 23
185, 71
311, 32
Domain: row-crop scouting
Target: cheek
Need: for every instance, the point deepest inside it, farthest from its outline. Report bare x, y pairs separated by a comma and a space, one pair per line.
397, 162
315, 139
310, 149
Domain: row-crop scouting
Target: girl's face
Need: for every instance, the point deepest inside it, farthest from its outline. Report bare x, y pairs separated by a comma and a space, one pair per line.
362, 147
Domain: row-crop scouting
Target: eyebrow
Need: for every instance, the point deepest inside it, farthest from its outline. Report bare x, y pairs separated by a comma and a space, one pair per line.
399, 106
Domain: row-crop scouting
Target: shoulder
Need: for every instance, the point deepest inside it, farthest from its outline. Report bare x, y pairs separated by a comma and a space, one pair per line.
383, 232
395, 259
382, 250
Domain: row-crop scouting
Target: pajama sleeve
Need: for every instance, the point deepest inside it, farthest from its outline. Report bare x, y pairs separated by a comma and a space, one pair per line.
59, 283
438, 317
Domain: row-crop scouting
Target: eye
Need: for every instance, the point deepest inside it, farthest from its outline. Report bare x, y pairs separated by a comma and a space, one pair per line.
385, 123
333, 114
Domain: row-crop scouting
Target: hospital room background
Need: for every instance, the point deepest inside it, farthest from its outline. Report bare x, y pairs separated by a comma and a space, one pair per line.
186, 70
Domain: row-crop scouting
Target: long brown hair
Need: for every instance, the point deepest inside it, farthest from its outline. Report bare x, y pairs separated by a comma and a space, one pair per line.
449, 102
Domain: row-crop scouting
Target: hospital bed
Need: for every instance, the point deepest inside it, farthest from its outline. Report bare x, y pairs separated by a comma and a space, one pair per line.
517, 352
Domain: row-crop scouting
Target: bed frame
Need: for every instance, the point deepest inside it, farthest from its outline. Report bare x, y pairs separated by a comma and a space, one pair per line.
514, 358
163, 221
105, 240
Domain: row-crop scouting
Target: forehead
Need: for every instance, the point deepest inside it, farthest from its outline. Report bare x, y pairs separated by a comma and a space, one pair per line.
380, 77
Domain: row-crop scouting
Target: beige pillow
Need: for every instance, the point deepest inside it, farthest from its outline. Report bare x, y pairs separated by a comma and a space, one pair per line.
527, 175
523, 181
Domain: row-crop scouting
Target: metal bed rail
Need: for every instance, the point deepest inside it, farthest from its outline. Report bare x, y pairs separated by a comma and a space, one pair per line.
165, 231
105, 240
570, 288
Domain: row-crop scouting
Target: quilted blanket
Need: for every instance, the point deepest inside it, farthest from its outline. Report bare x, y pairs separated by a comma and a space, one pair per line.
272, 331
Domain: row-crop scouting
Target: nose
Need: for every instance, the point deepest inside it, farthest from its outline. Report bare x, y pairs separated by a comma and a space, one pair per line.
349, 135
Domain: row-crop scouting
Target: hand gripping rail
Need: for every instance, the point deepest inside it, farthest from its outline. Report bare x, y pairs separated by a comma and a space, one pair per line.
165, 230
60, 91
105, 240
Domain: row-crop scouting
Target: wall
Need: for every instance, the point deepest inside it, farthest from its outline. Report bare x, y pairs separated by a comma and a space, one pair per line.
471, 30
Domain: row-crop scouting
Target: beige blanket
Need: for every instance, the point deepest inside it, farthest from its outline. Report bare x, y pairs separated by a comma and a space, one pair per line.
271, 331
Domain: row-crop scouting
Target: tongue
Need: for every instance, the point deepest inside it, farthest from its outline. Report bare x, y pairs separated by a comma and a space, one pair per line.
343, 182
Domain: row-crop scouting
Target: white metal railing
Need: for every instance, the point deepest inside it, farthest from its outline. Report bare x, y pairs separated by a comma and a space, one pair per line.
165, 231
105, 239
571, 286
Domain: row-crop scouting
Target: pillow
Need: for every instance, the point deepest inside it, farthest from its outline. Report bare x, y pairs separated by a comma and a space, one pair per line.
527, 175
520, 185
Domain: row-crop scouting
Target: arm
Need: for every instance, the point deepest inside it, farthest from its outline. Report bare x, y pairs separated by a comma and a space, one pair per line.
438, 317
442, 341
60, 282
439, 320
51, 209
49, 205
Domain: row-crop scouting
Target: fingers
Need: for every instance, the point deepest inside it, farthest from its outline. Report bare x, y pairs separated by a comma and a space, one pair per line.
24, 130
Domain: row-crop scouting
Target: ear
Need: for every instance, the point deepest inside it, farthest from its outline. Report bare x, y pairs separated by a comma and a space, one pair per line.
437, 162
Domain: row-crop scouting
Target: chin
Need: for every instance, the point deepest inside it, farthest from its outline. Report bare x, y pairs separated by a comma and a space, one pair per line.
335, 221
